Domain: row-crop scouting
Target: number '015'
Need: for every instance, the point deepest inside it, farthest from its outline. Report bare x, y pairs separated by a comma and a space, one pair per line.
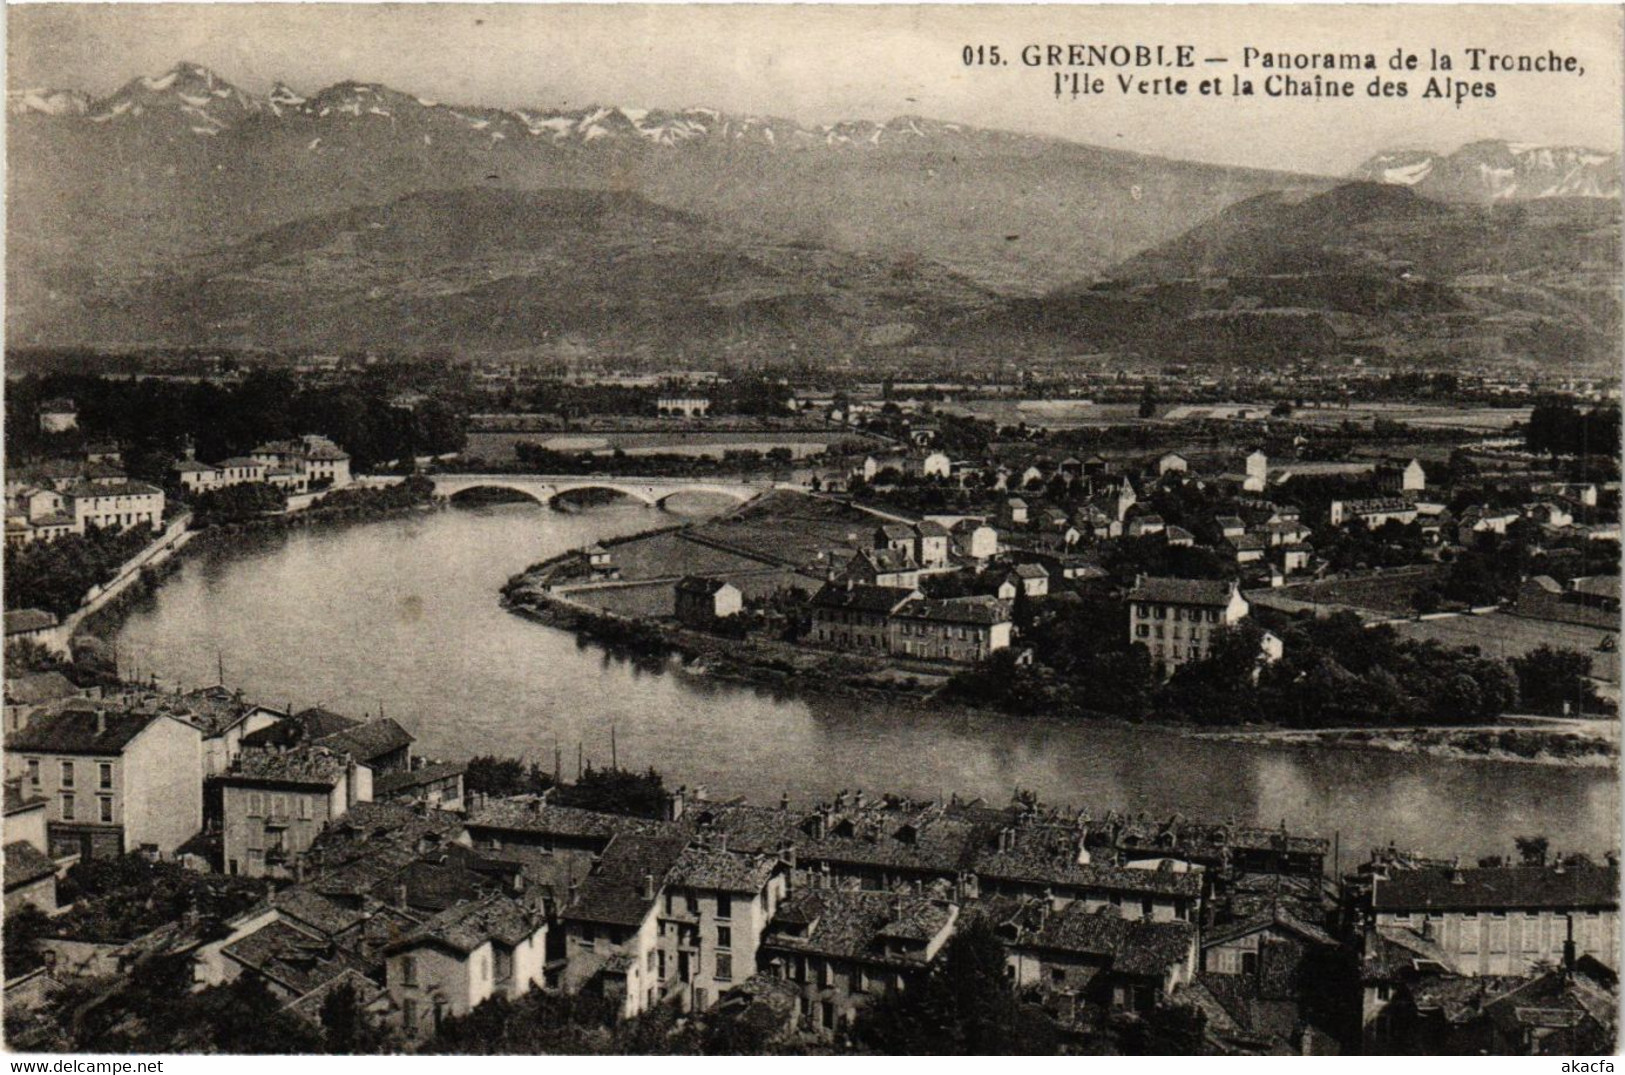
982, 56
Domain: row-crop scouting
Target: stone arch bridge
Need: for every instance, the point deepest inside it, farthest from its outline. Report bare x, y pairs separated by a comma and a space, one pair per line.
544, 487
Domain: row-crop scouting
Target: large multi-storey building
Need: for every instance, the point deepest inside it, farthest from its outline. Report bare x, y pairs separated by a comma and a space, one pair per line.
275, 802
114, 780
1175, 618
1502, 920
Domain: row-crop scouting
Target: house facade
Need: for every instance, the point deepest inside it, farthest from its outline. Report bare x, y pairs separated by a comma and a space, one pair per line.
113, 780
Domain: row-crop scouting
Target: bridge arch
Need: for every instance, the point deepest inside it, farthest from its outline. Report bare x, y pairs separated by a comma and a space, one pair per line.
544, 489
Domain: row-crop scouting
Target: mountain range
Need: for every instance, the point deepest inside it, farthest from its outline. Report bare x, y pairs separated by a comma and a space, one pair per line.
181, 209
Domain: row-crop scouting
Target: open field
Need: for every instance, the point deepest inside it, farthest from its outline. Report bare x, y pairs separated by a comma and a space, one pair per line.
792, 528
1478, 419
1387, 594
656, 599
1502, 635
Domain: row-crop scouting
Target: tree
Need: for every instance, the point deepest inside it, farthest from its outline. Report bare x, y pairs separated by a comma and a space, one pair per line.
1532, 849
616, 791
1169, 1030
963, 1007
1551, 679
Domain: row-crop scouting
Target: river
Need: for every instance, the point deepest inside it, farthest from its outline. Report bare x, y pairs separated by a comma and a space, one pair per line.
402, 617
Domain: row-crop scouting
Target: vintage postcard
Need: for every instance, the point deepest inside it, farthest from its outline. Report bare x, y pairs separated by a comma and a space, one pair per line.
816, 529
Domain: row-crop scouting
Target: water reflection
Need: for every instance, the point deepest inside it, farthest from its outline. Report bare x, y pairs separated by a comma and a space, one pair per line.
403, 615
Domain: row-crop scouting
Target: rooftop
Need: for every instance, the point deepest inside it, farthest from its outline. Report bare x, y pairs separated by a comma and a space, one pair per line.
1216, 593
979, 610
858, 925
1489, 888
464, 927
618, 891
861, 598
76, 731
22, 620
722, 871
26, 864
304, 766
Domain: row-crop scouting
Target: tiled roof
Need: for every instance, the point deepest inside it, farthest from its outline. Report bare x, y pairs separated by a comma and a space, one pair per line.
1030, 571
84, 490
856, 925
386, 784
28, 619
1205, 592
616, 891
722, 871
39, 687
242, 461
295, 959
77, 731
701, 587
305, 766
369, 741
309, 1007
17, 802
319, 723
466, 926
1391, 954
1135, 946
860, 598
979, 610
1278, 917
534, 814
25, 864
1488, 888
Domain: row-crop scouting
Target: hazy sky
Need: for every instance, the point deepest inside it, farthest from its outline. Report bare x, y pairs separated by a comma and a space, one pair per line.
851, 62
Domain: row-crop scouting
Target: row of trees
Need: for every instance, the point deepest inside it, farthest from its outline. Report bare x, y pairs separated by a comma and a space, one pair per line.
56, 575
152, 419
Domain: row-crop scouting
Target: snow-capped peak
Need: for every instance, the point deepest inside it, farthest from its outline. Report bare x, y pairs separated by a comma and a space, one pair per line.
1492, 170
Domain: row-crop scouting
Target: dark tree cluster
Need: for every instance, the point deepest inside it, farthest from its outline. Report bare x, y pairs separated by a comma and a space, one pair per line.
56, 575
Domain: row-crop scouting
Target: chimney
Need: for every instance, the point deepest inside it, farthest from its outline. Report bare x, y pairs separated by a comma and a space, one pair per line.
1568, 947
1456, 876
648, 886
400, 895
784, 801
101, 722
575, 890
299, 869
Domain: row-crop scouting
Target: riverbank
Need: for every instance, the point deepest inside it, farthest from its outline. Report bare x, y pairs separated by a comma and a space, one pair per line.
354, 505
1519, 743
562, 592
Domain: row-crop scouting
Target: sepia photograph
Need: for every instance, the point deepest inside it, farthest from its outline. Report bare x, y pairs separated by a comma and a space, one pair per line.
812, 529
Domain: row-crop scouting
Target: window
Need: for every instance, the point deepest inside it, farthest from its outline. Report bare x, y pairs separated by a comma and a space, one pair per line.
725, 908
409, 1014
589, 935
255, 804
693, 903
104, 775
826, 1014
1249, 962
33, 771
304, 808
1146, 907
104, 805
1057, 975
725, 937
67, 808
661, 965
409, 970
725, 966
67, 774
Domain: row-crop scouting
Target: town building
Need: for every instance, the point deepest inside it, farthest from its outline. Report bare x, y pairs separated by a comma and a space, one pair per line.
275, 802
1176, 618
842, 949
462, 957
116, 780
438, 785
683, 406
1077, 956
30, 878
856, 617
123, 505
1501, 920
715, 907
1399, 476
58, 416
612, 924
1374, 512
702, 601
962, 629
